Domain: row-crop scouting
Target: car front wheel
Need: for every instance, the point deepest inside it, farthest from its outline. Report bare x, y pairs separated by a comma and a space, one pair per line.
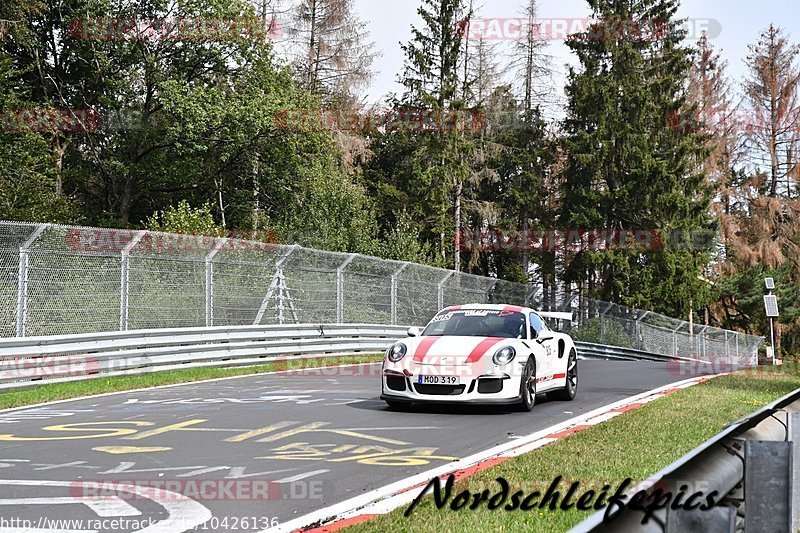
527, 386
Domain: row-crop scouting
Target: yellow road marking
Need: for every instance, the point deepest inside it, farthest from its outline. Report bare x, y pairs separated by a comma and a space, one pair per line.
180, 426
258, 432
84, 426
119, 450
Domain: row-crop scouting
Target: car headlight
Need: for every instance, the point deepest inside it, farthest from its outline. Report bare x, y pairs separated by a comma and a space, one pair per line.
396, 352
503, 356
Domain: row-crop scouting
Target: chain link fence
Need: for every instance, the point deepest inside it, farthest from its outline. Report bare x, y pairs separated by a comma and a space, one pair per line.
64, 280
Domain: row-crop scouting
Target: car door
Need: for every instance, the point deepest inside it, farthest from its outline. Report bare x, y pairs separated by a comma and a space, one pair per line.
542, 348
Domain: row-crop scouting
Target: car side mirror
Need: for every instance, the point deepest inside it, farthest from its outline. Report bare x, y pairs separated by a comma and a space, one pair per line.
413, 331
542, 340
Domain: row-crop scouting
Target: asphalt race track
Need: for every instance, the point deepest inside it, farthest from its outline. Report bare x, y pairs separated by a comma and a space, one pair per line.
251, 451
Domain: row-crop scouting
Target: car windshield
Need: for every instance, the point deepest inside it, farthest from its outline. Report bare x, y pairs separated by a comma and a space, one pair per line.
477, 323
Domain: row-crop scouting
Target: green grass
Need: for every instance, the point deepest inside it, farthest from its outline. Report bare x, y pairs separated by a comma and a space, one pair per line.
49, 392
634, 445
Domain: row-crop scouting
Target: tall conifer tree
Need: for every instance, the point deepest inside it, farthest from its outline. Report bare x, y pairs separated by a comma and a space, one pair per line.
628, 166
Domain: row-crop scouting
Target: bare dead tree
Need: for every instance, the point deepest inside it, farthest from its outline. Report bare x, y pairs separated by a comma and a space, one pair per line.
716, 115
772, 93
331, 50
533, 66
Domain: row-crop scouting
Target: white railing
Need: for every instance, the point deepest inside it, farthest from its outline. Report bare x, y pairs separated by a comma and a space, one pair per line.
30, 361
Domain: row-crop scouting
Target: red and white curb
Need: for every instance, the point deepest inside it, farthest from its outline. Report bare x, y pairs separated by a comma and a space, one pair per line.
403, 492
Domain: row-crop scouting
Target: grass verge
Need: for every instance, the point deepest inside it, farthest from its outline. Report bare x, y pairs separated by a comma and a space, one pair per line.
634, 445
50, 392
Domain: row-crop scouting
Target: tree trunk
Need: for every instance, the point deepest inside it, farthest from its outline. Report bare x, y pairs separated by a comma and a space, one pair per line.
60, 148
126, 201
459, 191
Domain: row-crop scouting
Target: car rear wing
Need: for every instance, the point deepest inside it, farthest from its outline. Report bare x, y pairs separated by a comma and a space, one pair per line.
557, 316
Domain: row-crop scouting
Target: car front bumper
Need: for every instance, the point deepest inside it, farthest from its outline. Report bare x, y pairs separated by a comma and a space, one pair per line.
494, 389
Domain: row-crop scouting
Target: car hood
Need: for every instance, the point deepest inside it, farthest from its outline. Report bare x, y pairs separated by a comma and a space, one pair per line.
453, 350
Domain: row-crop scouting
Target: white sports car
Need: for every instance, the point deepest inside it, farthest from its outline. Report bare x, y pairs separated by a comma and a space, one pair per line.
483, 354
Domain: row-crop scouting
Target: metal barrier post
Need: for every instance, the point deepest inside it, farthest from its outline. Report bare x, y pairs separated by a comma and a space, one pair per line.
22, 279
340, 288
395, 275
767, 485
125, 280
210, 280
793, 432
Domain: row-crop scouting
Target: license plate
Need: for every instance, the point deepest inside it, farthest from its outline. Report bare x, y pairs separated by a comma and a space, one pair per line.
438, 380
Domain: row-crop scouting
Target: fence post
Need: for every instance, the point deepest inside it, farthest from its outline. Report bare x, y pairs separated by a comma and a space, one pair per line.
638, 330
675, 338
340, 288
210, 280
394, 292
440, 290
22, 279
727, 345
702, 347
489, 292
603, 326
125, 279
531, 295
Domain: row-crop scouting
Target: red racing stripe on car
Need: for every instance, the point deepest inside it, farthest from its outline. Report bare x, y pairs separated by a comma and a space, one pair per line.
423, 348
512, 309
481, 348
454, 308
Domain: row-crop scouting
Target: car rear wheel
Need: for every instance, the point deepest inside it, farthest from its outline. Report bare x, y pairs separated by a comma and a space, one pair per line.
567, 394
527, 386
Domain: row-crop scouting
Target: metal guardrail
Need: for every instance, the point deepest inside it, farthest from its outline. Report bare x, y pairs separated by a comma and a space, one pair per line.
30, 361
587, 350
753, 467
